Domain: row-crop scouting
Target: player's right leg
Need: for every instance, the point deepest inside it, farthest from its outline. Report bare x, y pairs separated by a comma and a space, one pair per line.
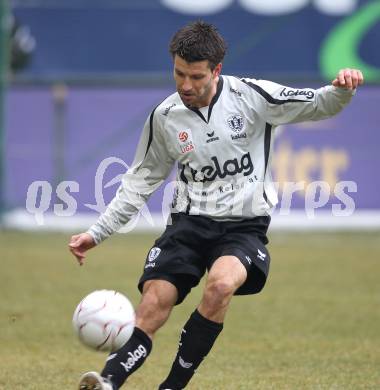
158, 299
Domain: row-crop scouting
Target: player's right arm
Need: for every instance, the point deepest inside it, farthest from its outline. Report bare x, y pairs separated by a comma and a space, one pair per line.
151, 166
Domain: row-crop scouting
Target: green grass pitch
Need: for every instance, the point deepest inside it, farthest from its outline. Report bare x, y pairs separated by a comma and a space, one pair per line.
316, 325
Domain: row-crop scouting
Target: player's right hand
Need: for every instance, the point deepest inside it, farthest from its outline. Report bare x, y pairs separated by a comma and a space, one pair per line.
79, 244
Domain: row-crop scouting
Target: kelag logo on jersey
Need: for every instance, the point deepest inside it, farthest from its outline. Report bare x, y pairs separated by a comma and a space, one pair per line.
297, 92
229, 168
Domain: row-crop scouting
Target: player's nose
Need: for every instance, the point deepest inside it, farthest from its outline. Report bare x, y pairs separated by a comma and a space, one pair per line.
186, 86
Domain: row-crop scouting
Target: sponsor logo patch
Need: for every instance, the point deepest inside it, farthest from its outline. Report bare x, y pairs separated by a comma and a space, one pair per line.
228, 168
286, 92
238, 136
185, 140
134, 357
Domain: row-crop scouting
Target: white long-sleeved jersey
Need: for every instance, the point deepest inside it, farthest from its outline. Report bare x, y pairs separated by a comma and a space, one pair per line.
223, 152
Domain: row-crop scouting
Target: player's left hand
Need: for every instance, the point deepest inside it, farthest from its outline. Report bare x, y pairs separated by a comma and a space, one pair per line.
348, 79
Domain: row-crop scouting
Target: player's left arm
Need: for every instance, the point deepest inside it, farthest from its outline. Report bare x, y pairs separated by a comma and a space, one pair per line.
348, 79
292, 105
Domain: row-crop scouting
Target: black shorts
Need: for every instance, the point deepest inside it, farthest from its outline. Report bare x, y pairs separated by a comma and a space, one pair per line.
191, 244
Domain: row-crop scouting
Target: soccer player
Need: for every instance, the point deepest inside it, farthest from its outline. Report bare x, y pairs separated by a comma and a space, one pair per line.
218, 129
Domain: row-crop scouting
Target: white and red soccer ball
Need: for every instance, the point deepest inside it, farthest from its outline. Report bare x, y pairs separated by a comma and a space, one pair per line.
104, 320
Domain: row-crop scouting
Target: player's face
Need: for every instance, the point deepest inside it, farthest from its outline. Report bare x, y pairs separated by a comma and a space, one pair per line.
196, 83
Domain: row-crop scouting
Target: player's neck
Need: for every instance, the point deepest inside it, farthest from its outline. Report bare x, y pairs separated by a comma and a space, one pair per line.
208, 99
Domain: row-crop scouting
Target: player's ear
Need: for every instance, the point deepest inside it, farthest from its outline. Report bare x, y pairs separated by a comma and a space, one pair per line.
217, 70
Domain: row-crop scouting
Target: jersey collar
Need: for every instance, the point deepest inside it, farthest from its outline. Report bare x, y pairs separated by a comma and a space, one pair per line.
215, 98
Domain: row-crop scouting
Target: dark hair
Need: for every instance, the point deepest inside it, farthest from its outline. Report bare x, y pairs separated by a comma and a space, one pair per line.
199, 41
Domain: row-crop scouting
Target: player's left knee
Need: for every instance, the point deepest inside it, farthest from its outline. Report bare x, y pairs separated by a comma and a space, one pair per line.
220, 289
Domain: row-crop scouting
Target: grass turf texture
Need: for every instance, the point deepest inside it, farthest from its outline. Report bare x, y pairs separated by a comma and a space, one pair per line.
315, 325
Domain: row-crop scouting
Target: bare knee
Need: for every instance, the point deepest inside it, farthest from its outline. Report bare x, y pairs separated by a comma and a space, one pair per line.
157, 301
218, 292
225, 277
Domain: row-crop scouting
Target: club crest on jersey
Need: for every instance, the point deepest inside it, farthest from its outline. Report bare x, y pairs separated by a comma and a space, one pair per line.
236, 123
185, 140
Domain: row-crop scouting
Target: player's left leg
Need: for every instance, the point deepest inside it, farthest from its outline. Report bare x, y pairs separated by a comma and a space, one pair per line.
226, 275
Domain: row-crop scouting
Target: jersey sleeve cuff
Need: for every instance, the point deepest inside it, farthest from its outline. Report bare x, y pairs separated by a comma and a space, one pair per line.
344, 91
96, 236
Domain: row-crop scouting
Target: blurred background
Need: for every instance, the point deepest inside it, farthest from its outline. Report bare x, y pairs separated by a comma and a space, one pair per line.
79, 78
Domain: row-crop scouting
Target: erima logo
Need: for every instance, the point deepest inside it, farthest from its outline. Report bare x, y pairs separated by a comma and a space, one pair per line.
297, 92
229, 168
248, 259
134, 357
261, 255
211, 137
184, 364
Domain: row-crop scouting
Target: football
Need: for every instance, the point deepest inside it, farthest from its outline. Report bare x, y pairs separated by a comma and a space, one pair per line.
104, 320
